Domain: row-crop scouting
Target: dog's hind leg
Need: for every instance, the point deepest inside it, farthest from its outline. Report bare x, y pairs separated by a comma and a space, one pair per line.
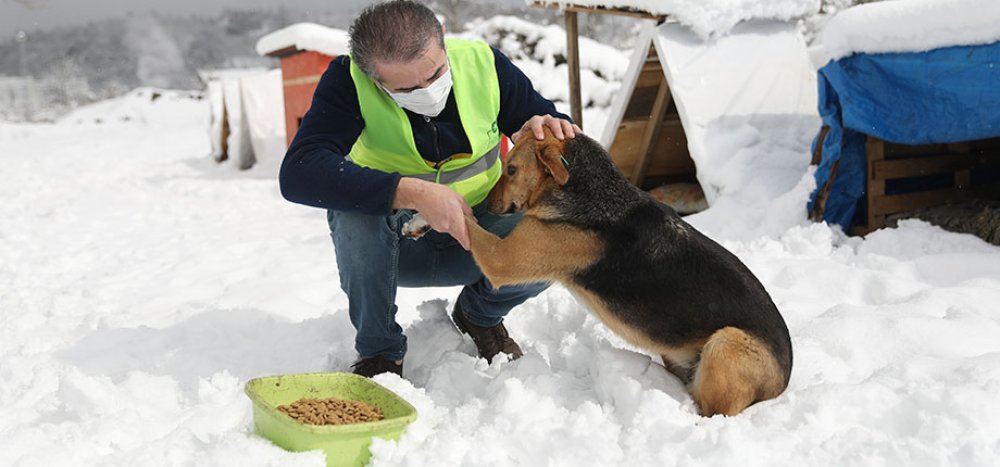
736, 370
682, 361
681, 371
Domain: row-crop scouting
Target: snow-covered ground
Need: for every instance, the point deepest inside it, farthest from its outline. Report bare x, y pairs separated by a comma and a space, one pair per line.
141, 286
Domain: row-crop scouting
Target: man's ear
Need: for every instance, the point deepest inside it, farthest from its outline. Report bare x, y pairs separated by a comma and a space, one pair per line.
551, 157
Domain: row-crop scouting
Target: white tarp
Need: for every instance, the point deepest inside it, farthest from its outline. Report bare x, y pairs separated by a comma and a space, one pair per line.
217, 111
252, 104
239, 150
264, 117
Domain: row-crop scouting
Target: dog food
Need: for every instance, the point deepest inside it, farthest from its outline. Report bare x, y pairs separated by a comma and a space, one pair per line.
331, 411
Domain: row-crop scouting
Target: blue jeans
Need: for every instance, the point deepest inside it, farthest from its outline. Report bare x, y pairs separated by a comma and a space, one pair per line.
374, 259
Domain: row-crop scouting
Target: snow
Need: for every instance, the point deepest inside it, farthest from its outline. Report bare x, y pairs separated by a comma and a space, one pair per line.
142, 285
305, 36
534, 48
908, 26
707, 18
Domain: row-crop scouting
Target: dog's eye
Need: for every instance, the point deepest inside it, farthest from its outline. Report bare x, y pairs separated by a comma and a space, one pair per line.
511, 170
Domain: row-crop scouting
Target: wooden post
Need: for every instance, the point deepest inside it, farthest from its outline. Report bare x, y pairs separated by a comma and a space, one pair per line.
573, 65
652, 132
963, 177
875, 152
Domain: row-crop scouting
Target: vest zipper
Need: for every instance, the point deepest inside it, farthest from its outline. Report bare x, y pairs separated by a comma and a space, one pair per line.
437, 147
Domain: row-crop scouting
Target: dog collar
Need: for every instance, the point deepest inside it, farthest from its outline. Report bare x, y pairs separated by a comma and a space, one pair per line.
564, 161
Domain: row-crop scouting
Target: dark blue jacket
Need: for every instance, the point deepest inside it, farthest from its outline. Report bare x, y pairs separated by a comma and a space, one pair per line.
316, 173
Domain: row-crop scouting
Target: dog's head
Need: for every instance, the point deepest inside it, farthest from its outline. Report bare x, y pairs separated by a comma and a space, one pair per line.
532, 168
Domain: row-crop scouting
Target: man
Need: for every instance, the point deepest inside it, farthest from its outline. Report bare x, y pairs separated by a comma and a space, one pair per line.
411, 122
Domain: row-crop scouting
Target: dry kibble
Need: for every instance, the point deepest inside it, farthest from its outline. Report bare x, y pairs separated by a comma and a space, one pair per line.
331, 411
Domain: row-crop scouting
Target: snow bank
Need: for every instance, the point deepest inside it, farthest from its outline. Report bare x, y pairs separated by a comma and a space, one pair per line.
142, 106
540, 52
305, 36
706, 17
908, 26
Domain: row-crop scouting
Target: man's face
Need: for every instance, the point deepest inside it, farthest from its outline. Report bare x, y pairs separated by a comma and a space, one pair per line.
415, 74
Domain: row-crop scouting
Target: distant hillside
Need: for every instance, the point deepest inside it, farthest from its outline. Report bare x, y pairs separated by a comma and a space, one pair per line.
76, 65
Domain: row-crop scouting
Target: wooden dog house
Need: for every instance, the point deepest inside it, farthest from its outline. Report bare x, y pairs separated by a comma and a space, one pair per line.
907, 126
682, 89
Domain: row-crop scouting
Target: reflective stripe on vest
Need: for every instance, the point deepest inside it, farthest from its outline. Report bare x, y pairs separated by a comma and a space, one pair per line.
481, 165
386, 142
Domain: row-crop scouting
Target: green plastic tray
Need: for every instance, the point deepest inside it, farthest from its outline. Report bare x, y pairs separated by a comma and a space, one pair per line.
344, 445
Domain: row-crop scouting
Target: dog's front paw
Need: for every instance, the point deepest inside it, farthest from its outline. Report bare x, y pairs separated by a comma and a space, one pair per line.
416, 227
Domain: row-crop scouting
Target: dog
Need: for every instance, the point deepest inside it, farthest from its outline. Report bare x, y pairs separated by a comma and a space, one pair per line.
648, 275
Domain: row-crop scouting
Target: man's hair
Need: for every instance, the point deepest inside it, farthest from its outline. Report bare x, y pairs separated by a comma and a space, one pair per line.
392, 32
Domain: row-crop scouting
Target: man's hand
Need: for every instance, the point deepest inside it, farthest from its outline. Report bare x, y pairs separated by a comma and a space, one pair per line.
442, 208
562, 129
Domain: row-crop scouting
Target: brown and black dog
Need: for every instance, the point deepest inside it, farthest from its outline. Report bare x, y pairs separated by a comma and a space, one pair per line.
650, 277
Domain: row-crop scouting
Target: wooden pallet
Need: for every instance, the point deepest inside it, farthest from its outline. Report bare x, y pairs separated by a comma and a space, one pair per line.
887, 161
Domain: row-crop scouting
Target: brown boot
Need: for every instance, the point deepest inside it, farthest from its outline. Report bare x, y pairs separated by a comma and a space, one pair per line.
489, 341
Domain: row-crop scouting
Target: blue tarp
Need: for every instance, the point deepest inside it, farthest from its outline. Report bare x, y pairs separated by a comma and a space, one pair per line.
941, 96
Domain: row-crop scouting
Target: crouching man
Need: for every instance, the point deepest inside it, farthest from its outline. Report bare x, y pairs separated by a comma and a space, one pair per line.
411, 121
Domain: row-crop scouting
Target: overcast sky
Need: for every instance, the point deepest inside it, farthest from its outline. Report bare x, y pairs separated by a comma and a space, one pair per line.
42, 14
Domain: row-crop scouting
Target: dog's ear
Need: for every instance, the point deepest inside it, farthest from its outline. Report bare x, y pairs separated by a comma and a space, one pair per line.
551, 157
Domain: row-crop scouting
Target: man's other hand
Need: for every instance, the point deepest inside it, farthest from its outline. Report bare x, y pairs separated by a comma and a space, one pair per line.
443, 208
562, 129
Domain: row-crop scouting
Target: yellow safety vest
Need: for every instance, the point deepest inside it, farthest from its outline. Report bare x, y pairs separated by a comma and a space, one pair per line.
386, 142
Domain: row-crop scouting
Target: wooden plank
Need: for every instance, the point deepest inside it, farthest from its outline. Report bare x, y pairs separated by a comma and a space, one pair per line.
641, 103
573, 66
875, 152
649, 79
986, 190
893, 150
670, 149
914, 167
963, 178
652, 131
890, 204
631, 13
817, 155
985, 145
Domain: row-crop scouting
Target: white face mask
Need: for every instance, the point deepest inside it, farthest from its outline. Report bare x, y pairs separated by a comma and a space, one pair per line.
427, 101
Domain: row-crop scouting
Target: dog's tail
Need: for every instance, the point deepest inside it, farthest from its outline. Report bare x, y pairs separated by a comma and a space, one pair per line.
736, 370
